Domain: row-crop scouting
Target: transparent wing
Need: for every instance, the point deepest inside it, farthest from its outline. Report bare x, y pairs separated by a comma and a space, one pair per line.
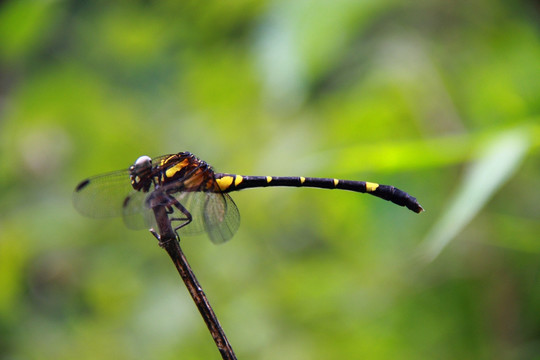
136, 213
212, 212
194, 204
221, 217
110, 195
102, 196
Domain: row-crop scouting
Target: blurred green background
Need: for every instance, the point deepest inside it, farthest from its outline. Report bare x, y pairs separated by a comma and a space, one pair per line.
438, 98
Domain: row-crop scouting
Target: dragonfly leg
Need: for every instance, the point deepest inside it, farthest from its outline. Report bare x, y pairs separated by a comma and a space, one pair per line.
185, 220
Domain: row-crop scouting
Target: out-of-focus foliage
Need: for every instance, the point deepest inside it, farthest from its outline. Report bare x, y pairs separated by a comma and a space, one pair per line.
439, 98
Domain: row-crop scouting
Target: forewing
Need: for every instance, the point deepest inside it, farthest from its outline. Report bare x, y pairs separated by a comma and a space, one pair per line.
102, 196
136, 213
111, 195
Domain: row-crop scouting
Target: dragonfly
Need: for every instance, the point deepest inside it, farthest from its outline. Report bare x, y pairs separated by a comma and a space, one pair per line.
196, 198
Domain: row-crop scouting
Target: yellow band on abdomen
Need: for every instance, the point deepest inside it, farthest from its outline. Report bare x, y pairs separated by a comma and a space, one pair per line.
225, 182
370, 187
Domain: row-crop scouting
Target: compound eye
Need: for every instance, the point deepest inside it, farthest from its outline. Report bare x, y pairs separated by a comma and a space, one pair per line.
143, 162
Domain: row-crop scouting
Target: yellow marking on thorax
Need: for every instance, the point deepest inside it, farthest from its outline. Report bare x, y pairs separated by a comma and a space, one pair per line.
170, 172
268, 179
336, 181
173, 170
238, 179
302, 179
164, 161
370, 187
225, 182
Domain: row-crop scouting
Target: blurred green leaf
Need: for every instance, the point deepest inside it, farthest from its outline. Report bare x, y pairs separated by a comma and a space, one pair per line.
497, 161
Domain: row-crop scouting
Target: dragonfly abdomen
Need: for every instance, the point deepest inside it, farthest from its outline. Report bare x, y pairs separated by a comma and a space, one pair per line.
232, 182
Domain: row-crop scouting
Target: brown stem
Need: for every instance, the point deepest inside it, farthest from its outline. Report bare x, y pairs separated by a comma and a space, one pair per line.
168, 240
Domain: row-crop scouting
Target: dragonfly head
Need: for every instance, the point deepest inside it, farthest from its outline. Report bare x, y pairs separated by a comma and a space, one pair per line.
140, 173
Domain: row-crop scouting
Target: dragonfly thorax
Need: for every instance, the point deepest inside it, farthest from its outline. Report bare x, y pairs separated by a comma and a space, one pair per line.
140, 174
